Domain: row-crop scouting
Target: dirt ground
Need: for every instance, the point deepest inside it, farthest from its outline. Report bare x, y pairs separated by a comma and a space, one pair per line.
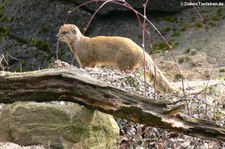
193, 66
200, 53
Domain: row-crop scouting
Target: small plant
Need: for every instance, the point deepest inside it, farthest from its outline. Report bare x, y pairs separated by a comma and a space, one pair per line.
206, 28
193, 18
199, 24
4, 31
176, 34
165, 30
3, 4
222, 70
163, 46
193, 52
183, 59
169, 19
187, 50
215, 18
41, 45
2, 16
212, 24
184, 27
178, 76
10, 19
219, 12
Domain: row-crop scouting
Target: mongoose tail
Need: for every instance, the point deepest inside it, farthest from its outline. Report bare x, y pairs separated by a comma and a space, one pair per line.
155, 74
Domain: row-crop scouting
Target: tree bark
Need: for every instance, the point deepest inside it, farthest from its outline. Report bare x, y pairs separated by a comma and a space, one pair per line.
75, 85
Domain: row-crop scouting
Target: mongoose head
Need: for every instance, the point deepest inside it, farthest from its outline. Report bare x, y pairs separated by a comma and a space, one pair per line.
69, 33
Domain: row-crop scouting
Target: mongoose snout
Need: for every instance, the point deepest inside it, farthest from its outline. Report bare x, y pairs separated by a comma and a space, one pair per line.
68, 33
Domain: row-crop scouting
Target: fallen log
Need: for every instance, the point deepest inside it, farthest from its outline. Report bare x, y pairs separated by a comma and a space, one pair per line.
75, 85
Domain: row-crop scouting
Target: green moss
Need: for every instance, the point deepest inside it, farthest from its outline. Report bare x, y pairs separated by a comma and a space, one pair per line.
155, 47
222, 70
41, 45
219, 12
211, 23
162, 46
184, 27
159, 46
4, 31
173, 43
48, 57
2, 16
193, 18
178, 76
216, 18
10, 19
169, 19
174, 29
193, 52
35, 54
206, 28
180, 60
183, 59
187, 50
68, 1
176, 34
3, 4
199, 24
165, 30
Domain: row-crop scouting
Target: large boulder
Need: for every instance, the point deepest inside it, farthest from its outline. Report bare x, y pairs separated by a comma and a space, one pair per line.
58, 126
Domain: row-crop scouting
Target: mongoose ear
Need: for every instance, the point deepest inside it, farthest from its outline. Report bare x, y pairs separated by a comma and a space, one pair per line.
74, 29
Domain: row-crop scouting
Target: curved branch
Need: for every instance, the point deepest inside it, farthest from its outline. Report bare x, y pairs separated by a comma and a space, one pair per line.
75, 85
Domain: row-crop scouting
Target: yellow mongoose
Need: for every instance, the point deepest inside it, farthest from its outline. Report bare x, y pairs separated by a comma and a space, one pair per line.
119, 52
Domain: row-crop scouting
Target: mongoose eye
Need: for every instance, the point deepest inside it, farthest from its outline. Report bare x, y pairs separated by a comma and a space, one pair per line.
64, 32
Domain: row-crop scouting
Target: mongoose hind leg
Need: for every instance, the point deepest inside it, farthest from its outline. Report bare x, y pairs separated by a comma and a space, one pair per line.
126, 65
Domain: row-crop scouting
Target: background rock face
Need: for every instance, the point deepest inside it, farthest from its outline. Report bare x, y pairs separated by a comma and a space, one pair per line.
28, 28
31, 28
60, 126
159, 5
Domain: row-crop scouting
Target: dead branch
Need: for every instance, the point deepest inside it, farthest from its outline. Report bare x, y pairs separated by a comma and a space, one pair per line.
75, 85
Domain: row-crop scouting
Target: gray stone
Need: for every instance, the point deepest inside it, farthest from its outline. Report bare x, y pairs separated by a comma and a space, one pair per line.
153, 5
31, 31
28, 28
58, 126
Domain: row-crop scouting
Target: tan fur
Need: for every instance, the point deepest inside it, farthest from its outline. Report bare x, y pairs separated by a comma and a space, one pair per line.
119, 52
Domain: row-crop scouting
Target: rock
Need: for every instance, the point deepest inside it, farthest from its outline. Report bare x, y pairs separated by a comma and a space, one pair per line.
159, 5
58, 126
8, 145
28, 31
28, 28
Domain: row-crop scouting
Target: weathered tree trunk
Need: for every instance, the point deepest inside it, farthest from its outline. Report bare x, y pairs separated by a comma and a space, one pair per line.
75, 85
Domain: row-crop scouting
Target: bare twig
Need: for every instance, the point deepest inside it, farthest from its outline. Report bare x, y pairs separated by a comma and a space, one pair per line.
206, 86
57, 50
143, 43
19, 60
2, 59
